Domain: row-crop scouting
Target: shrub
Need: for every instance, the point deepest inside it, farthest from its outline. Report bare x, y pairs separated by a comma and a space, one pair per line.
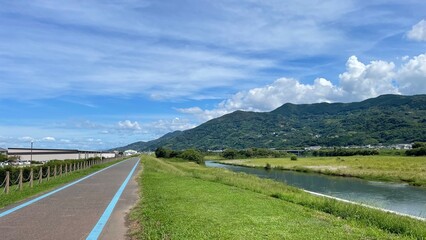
230, 153
162, 152
293, 158
192, 155
268, 166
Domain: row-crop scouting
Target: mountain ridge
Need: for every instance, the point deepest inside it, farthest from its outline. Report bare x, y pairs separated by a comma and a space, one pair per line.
386, 119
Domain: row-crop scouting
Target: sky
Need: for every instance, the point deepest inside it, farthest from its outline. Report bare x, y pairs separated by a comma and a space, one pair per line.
95, 75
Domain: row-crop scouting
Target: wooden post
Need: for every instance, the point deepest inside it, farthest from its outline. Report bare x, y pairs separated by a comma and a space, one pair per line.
31, 178
60, 170
40, 177
7, 182
48, 173
66, 169
21, 176
55, 169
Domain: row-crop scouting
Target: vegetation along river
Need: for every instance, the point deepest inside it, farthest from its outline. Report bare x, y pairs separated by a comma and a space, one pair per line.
400, 198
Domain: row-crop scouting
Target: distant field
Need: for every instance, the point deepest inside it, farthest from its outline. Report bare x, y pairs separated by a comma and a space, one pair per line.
411, 170
182, 200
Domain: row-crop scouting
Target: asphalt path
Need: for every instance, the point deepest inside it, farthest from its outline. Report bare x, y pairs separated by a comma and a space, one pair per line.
94, 208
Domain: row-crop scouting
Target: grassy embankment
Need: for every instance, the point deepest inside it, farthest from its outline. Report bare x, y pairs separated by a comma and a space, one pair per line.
16, 196
182, 200
411, 170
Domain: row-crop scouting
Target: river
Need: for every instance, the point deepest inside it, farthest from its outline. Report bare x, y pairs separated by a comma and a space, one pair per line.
400, 198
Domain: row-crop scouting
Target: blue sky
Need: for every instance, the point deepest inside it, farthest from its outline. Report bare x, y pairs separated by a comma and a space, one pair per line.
102, 74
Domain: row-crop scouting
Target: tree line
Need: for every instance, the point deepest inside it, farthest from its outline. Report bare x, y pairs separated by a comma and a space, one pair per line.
192, 155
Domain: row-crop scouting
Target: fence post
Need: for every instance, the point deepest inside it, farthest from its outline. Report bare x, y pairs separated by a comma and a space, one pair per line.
40, 175
21, 176
66, 168
54, 169
6, 186
60, 170
31, 177
48, 173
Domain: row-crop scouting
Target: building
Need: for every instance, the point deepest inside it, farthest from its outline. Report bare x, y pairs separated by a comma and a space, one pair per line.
42, 155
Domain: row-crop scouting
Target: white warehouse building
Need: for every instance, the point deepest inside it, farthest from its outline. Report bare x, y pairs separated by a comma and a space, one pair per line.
41, 155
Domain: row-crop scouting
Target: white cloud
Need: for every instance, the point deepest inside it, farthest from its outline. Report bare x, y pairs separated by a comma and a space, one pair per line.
129, 125
360, 81
418, 31
26, 139
164, 126
412, 76
48, 139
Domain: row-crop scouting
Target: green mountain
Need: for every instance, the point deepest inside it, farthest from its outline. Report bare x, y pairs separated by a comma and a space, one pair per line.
387, 119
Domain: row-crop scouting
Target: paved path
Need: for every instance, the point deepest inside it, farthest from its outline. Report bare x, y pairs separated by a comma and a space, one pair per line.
73, 212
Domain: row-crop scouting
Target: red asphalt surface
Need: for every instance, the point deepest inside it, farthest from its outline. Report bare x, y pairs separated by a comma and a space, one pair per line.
73, 212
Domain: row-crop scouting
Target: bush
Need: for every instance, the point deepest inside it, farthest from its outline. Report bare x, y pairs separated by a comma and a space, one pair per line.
293, 158
419, 151
193, 156
162, 152
268, 166
230, 153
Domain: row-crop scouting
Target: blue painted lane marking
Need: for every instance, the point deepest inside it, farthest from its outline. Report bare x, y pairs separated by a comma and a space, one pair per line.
53, 192
97, 230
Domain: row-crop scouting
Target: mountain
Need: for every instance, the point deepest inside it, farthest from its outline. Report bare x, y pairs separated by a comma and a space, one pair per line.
387, 119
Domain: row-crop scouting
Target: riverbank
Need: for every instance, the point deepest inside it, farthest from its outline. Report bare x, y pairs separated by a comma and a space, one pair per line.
182, 200
411, 170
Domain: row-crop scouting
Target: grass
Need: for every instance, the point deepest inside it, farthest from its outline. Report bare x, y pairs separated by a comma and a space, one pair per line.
15, 196
411, 170
181, 200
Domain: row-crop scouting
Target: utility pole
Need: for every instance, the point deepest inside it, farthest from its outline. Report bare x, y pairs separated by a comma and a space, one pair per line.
31, 150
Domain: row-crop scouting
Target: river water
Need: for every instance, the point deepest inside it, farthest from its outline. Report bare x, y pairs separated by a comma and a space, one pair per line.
400, 198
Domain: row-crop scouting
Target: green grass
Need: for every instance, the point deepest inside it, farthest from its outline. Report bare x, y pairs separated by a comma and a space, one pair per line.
411, 170
181, 200
15, 196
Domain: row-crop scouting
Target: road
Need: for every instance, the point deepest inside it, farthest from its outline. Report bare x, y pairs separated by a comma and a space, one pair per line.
84, 210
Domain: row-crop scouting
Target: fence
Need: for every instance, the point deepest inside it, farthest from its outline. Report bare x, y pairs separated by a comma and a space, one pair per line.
14, 178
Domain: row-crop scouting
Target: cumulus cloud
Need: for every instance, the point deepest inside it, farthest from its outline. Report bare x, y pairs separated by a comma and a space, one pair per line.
129, 125
412, 75
360, 81
418, 31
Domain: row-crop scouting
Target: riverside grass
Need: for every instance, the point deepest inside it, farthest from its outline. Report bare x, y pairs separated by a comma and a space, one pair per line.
182, 200
16, 196
411, 170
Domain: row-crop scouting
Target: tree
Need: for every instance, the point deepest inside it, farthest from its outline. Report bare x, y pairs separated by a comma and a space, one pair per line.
193, 155
230, 153
162, 152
